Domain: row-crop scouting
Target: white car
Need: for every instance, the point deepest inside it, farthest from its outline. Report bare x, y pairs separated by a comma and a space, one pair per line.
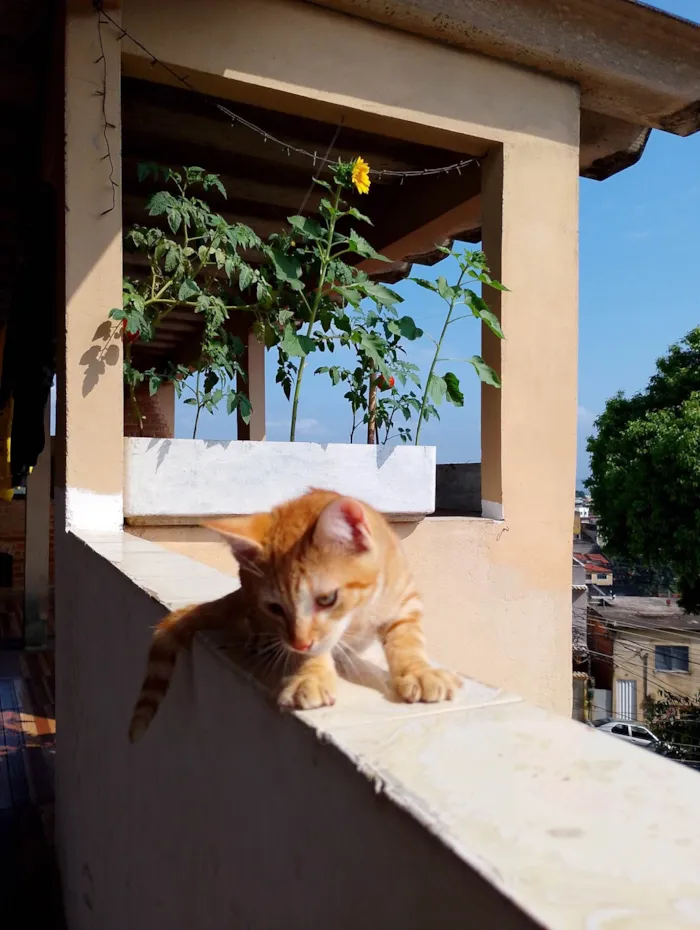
630, 731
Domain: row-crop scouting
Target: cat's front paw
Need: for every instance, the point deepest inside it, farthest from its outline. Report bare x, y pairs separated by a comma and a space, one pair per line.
304, 692
427, 684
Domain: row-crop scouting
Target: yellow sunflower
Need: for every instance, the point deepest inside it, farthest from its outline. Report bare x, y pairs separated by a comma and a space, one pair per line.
360, 175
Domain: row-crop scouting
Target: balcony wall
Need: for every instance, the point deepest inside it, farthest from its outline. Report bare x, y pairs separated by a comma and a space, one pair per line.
493, 621
485, 813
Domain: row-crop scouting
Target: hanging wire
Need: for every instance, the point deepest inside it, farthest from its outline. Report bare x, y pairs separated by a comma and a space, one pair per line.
320, 167
106, 125
267, 136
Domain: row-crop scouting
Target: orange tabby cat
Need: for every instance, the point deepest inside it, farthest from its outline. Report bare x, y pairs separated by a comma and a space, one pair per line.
318, 573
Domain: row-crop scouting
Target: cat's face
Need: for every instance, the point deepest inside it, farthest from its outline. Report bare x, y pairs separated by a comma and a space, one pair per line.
309, 567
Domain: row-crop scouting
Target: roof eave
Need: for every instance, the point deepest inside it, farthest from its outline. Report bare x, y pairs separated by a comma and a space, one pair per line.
598, 44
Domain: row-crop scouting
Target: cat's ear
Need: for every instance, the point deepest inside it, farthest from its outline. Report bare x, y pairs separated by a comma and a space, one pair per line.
344, 524
245, 535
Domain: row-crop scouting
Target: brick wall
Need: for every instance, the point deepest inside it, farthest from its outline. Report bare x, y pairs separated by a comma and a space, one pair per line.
158, 413
12, 539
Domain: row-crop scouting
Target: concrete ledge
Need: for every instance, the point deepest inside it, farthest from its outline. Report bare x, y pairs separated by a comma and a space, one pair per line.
210, 478
485, 813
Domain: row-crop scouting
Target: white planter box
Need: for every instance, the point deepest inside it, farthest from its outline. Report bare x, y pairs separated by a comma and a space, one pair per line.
198, 477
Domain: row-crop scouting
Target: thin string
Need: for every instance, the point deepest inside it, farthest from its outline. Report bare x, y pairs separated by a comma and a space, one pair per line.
321, 164
106, 125
268, 136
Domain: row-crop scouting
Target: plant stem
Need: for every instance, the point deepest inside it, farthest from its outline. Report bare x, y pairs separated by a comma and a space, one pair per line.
314, 310
199, 407
132, 389
372, 407
436, 356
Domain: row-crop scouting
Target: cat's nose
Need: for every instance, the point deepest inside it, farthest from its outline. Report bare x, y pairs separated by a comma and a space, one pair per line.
301, 645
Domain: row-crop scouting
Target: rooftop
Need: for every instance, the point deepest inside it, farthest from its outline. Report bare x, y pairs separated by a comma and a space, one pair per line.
651, 613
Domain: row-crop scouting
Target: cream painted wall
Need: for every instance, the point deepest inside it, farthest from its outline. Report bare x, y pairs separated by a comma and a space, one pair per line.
499, 595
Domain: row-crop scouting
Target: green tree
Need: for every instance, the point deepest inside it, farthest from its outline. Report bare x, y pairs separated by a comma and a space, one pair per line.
645, 471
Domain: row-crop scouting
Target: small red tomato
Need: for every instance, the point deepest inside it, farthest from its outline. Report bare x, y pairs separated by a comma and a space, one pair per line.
130, 337
383, 384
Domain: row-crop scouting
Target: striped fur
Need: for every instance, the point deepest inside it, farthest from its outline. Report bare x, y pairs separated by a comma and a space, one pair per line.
319, 575
171, 635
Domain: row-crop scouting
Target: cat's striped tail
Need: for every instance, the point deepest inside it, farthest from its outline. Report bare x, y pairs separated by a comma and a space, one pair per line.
171, 635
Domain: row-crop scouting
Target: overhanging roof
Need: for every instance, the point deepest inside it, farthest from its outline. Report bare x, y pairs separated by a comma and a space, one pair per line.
638, 68
632, 61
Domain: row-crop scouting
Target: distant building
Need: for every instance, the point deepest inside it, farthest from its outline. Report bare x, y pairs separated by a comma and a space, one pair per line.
598, 570
653, 646
582, 506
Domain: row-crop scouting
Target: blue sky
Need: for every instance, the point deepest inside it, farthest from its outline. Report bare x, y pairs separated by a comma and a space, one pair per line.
640, 234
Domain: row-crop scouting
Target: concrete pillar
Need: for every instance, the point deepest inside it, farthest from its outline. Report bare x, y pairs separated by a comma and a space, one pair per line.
254, 363
528, 427
37, 541
90, 372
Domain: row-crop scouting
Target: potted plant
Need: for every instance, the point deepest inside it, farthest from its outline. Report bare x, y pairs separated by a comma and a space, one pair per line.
307, 294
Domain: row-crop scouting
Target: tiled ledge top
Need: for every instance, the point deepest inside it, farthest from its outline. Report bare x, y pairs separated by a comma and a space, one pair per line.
580, 829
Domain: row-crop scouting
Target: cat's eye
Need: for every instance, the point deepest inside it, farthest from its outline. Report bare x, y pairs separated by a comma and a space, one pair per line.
275, 608
327, 600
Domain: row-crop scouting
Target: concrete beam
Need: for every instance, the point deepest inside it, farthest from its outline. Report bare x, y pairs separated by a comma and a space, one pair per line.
630, 60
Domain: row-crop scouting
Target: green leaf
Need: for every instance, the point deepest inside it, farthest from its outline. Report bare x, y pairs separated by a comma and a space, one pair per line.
481, 311
153, 384
191, 400
188, 288
437, 388
484, 371
373, 346
407, 328
210, 381
351, 294
454, 395
287, 268
172, 259
357, 243
159, 203
245, 408
245, 277
307, 226
354, 212
294, 345
145, 169
422, 282
174, 219
118, 313
444, 289
381, 294
343, 323
492, 322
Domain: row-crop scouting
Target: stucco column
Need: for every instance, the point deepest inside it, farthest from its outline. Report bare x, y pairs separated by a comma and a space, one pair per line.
528, 428
253, 363
90, 372
256, 387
